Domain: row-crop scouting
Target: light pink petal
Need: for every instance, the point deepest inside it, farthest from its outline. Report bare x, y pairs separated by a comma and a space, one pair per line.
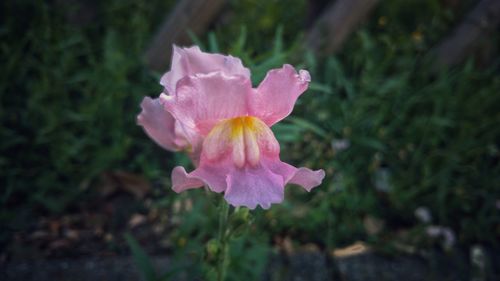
194, 154
214, 176
191, 61
204, 99
307, 178
252, 186
264, 184
268, 144
160, 125
275, 97
248, 186
304, 177
181, 181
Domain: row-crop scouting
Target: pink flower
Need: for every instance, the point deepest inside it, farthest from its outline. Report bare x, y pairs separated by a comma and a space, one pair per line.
192, 61
215, 103
159, 123
161, 126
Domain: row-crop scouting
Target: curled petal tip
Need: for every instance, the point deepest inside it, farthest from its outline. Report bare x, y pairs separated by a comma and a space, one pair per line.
182, 181
304, 76
308, 178
164, 97
191, 61
276, 95
158, 124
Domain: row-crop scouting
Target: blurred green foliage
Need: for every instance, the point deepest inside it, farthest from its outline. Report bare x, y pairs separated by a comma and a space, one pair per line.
69, 96
392, 135
399, 138
260, 19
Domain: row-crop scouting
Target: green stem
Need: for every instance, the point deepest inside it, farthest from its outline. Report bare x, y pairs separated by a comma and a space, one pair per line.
223, 241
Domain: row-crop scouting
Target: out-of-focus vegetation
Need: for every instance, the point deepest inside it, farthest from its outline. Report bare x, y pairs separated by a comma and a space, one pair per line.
69, 98
392, 135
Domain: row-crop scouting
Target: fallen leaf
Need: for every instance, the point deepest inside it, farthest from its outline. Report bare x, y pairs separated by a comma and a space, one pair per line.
59, 244
54, 226
285, 244
153, 214
132, 183
112, 182
354, 249
159, 228
72, 234
310, 247
39, 235
136, 220
107, 185
109, 237
373, 225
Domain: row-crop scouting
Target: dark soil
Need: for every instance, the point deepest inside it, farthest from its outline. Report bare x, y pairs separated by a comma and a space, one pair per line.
88, 244
301, 266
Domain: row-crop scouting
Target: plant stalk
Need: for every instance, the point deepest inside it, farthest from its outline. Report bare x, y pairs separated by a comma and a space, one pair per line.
223, 240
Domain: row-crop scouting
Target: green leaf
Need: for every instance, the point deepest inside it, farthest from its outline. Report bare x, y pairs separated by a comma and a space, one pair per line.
320, 88
141, 259
371, 143
278, 41
287, 132
196, 40
213, 46
308, 126
238, 47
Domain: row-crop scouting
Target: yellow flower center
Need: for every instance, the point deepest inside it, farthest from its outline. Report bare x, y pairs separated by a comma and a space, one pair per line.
245, 137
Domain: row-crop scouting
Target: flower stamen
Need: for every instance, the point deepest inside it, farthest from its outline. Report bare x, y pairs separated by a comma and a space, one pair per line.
241, 136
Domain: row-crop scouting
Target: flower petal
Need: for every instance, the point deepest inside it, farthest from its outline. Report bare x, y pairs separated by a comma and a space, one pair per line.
307, 178
276, 95
181, 181
160, 125
264, 184
204, 99
214, 176
304, 177
191, 61
252, 186
248, 186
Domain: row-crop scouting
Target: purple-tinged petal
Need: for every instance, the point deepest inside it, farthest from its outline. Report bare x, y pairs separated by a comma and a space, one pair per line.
247, 186
203, 100
264, 184
160, 125
307, 178
214, 176
252, 186
304, 177
191, 61
275, 97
